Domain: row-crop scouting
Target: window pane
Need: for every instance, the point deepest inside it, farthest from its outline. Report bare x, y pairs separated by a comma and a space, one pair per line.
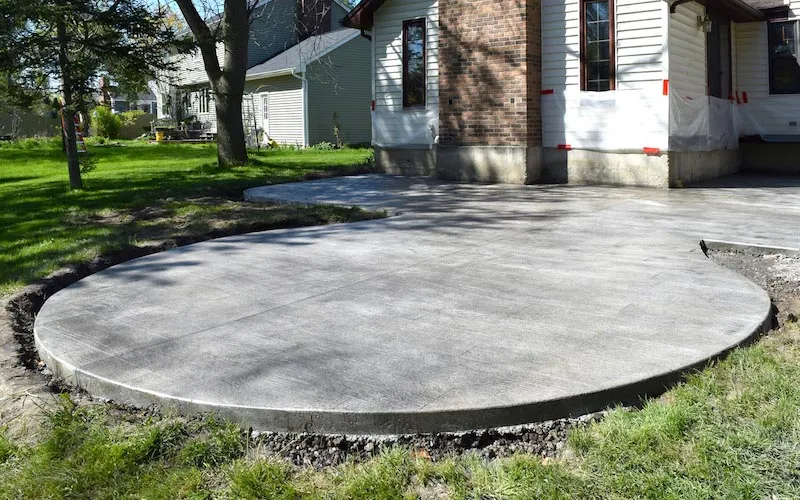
602, 11
592, 32
783, 54
605, 52
602, 31
414, 63
591, 12
597, 46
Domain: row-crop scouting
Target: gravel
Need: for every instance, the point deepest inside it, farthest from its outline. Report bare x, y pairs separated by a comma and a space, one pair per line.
776, 273
545, 439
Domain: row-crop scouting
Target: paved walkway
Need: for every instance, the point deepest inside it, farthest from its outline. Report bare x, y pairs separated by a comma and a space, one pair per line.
475, 306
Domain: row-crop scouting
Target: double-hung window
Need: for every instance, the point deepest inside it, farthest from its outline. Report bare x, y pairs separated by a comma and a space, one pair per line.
204, 98
414, 63
784, 57
597, 45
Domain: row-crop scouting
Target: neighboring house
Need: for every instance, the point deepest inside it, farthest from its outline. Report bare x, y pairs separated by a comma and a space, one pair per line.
108, 95
313, 91
145, 102
306, 74
642, 92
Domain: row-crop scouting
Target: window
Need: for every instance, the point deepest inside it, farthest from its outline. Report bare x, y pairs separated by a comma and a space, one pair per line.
784, 65
204, 98
597, 45
265, 108
414, 63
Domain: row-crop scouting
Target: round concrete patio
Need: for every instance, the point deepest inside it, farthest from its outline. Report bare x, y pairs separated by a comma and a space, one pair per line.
476, 306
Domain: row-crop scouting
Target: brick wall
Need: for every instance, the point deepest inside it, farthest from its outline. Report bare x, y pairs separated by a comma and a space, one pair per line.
489, 72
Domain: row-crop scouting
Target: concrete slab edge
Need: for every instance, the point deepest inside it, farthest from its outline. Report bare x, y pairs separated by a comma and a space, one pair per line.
252, 196
760, 249
392, 423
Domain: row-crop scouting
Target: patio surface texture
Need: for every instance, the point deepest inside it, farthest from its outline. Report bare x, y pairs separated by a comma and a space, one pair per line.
470, 306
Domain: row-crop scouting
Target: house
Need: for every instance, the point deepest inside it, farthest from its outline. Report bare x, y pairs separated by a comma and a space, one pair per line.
143, 101
109, 95
306, 81
639, 92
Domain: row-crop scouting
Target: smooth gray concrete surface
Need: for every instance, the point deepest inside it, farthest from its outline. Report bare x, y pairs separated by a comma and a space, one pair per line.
472, 306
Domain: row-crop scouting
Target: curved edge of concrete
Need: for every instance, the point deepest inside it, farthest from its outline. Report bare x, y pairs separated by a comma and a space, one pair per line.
394, 423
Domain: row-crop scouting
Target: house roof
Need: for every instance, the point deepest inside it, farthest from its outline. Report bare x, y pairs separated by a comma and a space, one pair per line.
361, 17
294, 59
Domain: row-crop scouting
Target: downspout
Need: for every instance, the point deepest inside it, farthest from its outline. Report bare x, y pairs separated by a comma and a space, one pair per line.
302, 78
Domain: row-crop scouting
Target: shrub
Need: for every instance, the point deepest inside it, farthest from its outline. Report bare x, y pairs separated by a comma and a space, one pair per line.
106, 123
324, 146
129, 117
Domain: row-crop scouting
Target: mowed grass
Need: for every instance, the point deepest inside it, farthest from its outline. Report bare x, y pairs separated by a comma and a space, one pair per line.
139, 191
730, 432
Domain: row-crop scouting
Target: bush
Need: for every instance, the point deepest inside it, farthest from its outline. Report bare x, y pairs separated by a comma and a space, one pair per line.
129, 117
106, 123
324, 146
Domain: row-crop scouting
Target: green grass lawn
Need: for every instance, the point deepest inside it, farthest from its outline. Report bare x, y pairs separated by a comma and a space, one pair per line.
729, 432
138, 191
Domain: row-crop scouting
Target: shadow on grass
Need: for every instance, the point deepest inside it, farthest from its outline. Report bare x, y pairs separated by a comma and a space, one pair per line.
44, 225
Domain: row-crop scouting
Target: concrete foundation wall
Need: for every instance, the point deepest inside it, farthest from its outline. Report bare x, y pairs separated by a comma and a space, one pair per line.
529, 165
599, 167
410, 162
688, 167
501, 164
773, 158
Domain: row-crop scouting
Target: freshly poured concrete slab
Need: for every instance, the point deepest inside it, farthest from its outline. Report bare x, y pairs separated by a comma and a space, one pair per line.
471, 306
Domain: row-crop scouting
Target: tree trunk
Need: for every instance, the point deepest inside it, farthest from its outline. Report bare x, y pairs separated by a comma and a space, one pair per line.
227, 80
231, 144
68, 110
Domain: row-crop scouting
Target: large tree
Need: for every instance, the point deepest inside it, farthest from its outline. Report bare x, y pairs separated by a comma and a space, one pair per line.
231, 28
228, 24
69, 43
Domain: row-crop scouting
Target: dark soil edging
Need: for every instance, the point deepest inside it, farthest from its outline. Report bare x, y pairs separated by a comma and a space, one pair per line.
545, 439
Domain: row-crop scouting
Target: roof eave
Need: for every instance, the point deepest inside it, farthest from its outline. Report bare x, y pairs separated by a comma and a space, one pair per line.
270, 74
362, 15
741, 12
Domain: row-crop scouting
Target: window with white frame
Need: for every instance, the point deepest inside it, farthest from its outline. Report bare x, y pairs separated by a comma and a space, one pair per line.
265, 108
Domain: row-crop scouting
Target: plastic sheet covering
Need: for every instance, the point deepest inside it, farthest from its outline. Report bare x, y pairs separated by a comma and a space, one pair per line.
768, 115
407, 128
614, 121
702, 123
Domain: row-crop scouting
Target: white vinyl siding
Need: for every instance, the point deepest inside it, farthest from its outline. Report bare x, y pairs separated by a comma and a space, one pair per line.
388, 38
752, 59
285, 102
631, 117
687, 51
190, 69
773, 113
339, 83
639, 44
639, 39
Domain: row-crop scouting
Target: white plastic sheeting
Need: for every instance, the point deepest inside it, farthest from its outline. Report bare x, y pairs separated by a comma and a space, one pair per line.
407, 128
702, 123
614, 121
619, 120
